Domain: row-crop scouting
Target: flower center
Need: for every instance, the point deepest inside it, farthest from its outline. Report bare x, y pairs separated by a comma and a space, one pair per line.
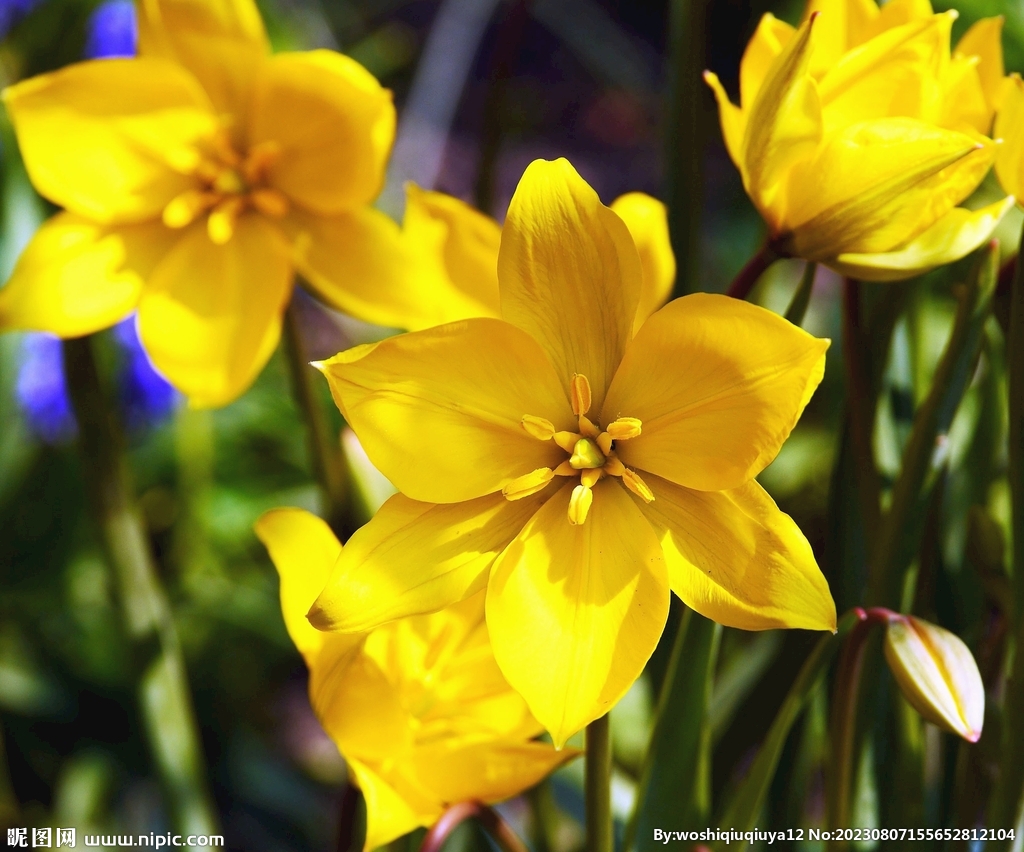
591, 453
227, 184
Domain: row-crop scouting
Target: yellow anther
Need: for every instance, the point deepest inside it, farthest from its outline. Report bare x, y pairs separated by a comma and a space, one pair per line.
591, 477
586, 455
588, 429
228, 182
261, 157
538, 427
635, 484
565, 469
604, 442
221, 224
581, 396
566, 440
579, 504
613, 467
530, 483
624, 428
184, 208
270, 202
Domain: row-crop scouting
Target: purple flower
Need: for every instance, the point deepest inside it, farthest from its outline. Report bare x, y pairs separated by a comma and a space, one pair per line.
41, 389
111, 30
145, 395
12, 11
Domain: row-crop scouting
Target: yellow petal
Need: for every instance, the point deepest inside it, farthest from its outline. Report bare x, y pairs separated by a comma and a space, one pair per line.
736, 559
569, 273
303, 549
896, 13
574, 612
767, 42
464, 243
647, 220
416, 558
334, 124
388, 815
783, 126
963, 104
719, 420
843, 25
76, 277
222, 42
439, 411
210, 315
984, 41
1009, 127
110, 139
954, 236
732, 122
876, 185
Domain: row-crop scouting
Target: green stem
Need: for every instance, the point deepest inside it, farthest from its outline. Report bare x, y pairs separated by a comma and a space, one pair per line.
324, 446
598, 786
802, 297
163, 692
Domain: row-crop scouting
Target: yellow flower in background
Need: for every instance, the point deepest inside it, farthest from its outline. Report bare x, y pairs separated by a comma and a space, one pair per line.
858, 134
459, 246
1010, 128
195, 179
574, 469
418, 708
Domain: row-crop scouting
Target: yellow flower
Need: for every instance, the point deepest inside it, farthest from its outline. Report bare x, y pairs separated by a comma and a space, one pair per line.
858, 134
195, 180
457, 249
418, 708
1010, 128
577, 470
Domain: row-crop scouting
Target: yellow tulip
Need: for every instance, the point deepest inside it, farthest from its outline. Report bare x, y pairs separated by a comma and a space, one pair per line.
1010, 128
195, 179
459, 245
859, 133
418, 707
575, 469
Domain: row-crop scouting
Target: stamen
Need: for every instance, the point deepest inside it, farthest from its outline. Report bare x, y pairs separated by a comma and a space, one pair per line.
221, 224
588, 429
228, 182
624, 428
269, 202
538, 427
604, 441
635, 484
591, 477
579, 504
261, 157
565, 469
530, 483
581, 396
586, 455
566, 440
184, 208
613, 467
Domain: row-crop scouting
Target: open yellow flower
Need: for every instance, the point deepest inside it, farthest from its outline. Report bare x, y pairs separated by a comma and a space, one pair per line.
577, 470
1010, 128
418, 708
858, 134
195, 179
457, 249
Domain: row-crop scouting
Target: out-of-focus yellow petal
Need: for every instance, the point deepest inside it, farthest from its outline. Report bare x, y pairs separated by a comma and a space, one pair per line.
415, 558
954, 236
762, 50
440, 411
76, 277
647, 220
878, 184
303, 549
736, 559
783, 126
388, 814
110, 140
569, 273
732, 121
222, 43
843, 24
1010, 128
210, 315
334, 124
465, 242
984, 41
896, 13
717, 422
575, 611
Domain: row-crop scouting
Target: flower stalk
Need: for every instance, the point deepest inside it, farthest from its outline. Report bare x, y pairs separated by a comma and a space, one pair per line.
486, 817
162, 684
751, 273
598, 786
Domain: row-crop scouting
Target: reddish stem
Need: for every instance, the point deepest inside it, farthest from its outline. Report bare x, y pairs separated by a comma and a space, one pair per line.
488, 819
747, 277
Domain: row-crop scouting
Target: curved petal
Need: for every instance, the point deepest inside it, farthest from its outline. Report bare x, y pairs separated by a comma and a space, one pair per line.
416, 558
954, 236
303, 549
647, 220
464, 242
569, 274
111, 139
439, 411
210, 315
76, 277
984, 40
767, 42
222, 42
736, 559
718, 384
732, 122
334, 124
1009, 127
388, 815
574, 612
